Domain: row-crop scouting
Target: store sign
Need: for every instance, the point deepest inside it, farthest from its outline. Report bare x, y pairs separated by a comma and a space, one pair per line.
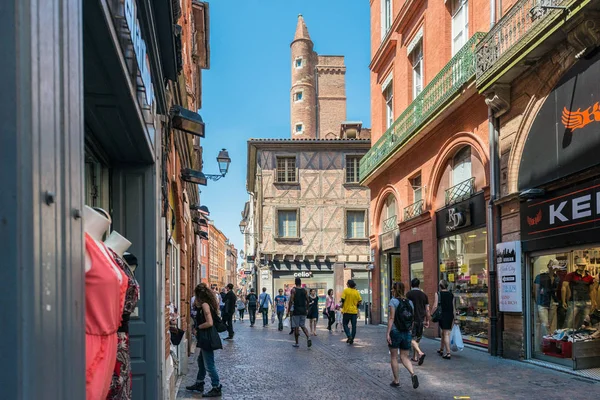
457, 217
564, 211
510, 291
247, 272
303, 274
390, 240
565, 136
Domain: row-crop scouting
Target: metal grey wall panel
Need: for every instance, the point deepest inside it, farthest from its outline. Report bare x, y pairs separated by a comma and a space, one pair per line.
134, 216
41, 152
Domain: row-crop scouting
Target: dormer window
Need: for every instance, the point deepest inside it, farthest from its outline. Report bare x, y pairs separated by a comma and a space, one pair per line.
298, 62
298, 96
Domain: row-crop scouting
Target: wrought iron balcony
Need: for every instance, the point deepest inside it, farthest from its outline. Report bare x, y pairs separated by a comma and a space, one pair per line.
442, 88
390, 224
512, 36
414, 210
460, 192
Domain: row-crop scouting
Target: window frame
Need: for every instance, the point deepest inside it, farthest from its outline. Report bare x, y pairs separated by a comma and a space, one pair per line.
296, 62
416, 62
299, 96
389, 102
412, 182
287, 168
277, 231
387, 16
412, 261
364, 211
462, 7
296, 131
356, 172
456, 161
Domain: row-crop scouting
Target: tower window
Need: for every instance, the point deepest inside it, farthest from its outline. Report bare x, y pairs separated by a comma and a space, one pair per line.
298, 62
298, 96
299, 128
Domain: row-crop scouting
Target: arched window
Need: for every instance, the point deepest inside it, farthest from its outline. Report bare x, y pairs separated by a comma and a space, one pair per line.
461, 165
388, 212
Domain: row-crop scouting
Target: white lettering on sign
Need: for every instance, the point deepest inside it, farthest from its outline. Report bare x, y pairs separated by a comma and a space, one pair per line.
580, 205
508, 261
556, 213
139, 48
303, 274
455, 219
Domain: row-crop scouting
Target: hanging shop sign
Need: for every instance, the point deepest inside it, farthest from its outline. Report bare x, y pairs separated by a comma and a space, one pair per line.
510, 290
562, 212
247, 272
565, 136
461, 217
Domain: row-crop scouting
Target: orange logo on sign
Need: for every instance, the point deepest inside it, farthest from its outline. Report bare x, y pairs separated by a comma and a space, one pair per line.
578, 119
535, 220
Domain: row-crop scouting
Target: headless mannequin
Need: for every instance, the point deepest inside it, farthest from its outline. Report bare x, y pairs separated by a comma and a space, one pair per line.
117, 243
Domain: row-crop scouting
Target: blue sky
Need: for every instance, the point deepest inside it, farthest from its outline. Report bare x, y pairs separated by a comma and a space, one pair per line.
246, 90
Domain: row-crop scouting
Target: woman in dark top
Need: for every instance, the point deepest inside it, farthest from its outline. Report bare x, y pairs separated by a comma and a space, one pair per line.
313, 311
446, 302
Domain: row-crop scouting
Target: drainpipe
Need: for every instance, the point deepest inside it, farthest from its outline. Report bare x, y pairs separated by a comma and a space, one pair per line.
317, 127
491, 234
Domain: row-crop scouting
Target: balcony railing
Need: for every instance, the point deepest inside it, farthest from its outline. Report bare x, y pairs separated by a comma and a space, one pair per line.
513, 32
460, 192
414, 210
446, 84
390, 224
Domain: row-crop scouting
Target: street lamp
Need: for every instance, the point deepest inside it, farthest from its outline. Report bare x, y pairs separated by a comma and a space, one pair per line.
243, 226
223, 160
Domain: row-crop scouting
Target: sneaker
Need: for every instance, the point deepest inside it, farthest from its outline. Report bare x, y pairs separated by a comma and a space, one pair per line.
415, 381
351, 341
228, 338
214, 392
295, 345
348, 340
309, 343
196, 387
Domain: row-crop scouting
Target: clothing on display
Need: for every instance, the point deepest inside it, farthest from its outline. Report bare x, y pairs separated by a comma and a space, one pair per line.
105, 288
120, 386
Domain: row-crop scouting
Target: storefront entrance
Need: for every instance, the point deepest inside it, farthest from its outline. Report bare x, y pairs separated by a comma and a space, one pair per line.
321, 281
389, 267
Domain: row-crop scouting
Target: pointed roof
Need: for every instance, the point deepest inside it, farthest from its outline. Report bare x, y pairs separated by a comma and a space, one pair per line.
301, 29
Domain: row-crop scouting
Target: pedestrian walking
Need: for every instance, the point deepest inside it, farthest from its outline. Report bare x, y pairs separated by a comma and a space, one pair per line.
252, 301
265, 301
280, 302
222, 300
350, 301
399, 337
241, 307
338, 316
421, 306
299, 306
229, 310
330, 309
206, 313
313, 311
445, 300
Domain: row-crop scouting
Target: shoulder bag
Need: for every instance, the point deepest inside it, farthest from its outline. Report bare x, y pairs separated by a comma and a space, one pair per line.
437, 315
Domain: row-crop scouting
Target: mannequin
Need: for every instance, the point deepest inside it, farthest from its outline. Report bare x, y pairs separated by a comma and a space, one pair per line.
578, 288
120, 385
105, 286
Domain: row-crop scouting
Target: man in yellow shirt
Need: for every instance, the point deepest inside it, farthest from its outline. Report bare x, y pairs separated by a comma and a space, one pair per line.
350, 301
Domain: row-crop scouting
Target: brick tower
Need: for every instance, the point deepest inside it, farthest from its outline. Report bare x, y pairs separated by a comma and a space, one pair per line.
303, 95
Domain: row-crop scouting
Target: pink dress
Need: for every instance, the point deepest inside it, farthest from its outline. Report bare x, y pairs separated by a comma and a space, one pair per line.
105, 287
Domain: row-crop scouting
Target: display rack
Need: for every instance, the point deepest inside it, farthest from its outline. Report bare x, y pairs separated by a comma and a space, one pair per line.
472, 309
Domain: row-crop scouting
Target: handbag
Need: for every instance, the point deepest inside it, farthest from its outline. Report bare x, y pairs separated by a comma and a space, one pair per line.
209, 339
176, 335
262, 308
437, 315
218, 322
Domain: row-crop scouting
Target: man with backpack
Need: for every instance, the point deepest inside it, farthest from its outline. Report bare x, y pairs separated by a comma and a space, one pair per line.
252, 300
299, 303
399, 333
265, 301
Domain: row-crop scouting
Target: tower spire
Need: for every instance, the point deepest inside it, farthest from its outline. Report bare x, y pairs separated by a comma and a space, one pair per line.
301, 29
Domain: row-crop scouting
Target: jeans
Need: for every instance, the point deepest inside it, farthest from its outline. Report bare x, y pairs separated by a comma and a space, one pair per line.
280, 318
546, 322
265, 314
576, 313
330, 319
252, 312
227, 319
352, 319
206, 363
241, 312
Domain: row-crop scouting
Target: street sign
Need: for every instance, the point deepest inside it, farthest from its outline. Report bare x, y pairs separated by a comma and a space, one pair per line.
247, 272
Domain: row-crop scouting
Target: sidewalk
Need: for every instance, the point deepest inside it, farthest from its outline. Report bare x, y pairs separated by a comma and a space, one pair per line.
261, 364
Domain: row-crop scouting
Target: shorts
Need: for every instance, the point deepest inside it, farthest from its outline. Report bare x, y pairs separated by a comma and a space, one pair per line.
400, 340
417, 331
298, 321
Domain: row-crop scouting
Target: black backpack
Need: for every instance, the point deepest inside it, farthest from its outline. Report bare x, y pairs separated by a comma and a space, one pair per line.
404, 316
300, 301
252, 300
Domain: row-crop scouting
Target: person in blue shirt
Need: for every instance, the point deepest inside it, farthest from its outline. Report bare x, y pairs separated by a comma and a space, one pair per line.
264, 301
280, 301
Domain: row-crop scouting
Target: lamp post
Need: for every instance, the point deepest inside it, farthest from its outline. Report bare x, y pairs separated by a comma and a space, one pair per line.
223, 160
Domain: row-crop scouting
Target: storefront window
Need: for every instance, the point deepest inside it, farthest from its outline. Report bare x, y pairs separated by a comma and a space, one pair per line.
564, 312
415, 258
463, 263
385, 285
321, 282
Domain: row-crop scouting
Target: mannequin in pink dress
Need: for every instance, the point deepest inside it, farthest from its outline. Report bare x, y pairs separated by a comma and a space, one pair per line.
105, 286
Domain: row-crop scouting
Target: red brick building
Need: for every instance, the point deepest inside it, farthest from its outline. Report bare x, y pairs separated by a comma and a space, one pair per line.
428, 165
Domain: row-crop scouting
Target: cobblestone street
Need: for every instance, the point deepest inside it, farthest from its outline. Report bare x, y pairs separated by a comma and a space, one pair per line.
262, 364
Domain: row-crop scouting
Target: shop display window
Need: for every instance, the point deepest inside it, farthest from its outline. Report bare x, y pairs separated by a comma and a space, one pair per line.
385, 285
564, 305
463, 263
